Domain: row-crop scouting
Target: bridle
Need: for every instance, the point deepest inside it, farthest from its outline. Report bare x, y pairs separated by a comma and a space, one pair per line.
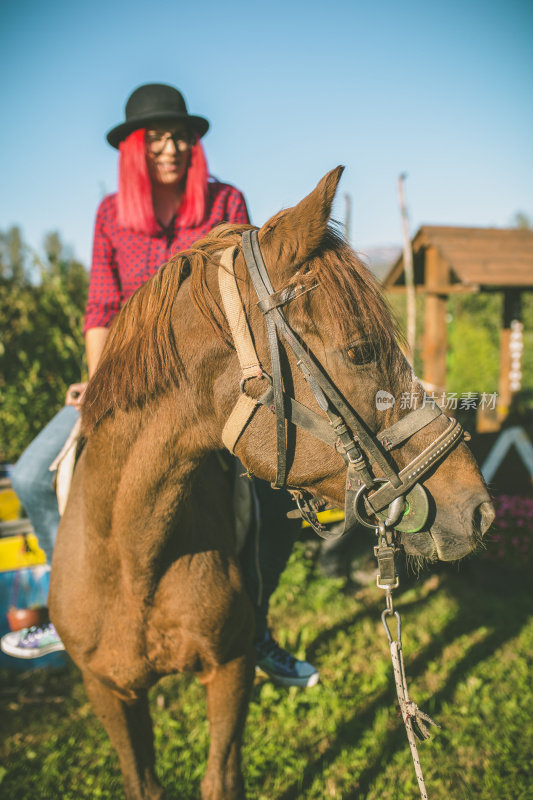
398, 499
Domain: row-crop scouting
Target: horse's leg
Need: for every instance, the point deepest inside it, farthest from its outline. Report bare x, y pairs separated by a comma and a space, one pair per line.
228, 695
129, 726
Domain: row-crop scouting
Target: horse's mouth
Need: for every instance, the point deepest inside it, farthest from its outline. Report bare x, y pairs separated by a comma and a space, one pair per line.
419, 544
447, 544
430, 545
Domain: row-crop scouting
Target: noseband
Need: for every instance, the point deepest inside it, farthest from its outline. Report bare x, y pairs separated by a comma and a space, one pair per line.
398, 498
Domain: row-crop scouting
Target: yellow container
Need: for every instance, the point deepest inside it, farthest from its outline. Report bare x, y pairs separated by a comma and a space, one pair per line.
9, 505
22, 550
327, 517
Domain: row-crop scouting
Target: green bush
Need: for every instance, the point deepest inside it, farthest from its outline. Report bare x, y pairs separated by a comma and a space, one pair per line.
474, 325
41, 350
473, 360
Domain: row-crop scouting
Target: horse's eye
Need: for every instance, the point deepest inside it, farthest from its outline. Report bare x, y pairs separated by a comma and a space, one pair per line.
361, 353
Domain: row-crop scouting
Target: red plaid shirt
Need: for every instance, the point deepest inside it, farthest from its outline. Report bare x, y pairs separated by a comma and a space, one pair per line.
124, 259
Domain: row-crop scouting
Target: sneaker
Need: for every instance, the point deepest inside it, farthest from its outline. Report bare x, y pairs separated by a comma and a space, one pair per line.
32, 642
281, 667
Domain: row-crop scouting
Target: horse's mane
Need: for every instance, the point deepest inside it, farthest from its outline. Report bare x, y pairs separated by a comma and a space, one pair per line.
141, 357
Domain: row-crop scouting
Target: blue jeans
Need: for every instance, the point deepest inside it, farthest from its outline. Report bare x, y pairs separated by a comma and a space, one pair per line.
33, 481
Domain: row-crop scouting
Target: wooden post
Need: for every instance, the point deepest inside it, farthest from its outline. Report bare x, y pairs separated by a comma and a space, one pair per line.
347, 216
435, 335
409, 275
510, 351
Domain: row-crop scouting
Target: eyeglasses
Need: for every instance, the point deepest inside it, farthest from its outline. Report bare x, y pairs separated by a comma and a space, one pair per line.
157, 140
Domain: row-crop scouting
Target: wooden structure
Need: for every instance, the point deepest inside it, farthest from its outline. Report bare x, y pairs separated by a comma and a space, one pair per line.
448, 260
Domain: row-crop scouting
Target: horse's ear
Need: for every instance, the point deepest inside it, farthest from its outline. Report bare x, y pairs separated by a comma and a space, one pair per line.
289, 238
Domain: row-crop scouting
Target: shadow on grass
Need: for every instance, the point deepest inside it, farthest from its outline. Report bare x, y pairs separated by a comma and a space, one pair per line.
33, 688
507, 611
370, 609
485, 595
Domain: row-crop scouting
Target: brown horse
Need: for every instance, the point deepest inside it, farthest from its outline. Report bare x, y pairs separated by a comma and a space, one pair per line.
145, 578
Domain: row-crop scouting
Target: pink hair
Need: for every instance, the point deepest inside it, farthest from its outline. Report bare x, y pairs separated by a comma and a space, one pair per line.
135, 206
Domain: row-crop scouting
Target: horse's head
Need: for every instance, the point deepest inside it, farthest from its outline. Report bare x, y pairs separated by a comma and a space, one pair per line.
342, 323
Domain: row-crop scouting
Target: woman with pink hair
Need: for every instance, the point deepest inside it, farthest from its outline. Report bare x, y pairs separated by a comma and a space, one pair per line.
165, 202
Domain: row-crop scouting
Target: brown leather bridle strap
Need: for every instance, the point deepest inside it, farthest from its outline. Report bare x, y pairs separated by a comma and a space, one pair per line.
246, 406
345, 431
417, 467
408, 425
341, 415
265, 293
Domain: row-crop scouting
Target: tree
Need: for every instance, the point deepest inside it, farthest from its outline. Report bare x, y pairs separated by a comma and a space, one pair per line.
41, 351
522, 220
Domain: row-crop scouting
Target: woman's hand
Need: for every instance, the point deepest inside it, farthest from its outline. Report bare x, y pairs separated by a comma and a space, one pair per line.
75, 394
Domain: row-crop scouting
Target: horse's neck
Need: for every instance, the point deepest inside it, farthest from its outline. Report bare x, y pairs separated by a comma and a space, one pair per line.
142, 463
138, 473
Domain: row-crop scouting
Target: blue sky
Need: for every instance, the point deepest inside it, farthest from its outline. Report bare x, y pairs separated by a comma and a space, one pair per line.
439, 90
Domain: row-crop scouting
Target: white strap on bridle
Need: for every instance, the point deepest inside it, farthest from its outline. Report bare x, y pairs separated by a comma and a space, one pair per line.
248, 359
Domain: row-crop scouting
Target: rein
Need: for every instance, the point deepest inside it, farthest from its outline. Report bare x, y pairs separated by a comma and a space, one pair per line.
398, 499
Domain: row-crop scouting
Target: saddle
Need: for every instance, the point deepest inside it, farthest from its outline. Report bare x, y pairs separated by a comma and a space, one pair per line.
63, 466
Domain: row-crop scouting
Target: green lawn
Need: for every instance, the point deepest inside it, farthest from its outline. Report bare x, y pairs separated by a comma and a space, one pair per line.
468, 648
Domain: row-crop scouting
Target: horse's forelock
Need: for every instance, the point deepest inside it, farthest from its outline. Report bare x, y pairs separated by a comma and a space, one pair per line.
351, 300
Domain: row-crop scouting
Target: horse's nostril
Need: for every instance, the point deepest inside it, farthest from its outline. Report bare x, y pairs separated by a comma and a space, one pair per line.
484, 517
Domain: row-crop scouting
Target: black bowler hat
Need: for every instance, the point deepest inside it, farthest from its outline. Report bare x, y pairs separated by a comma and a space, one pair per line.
151, 103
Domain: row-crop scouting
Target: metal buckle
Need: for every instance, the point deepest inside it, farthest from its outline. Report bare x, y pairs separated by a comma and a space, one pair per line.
385, 551
308, 506
360, 508
243, 382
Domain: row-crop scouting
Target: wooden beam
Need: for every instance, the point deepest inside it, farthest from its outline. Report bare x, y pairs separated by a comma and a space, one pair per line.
437, 279
453, 288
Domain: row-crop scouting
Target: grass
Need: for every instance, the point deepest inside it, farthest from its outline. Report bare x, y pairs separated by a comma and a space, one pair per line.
468, 645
